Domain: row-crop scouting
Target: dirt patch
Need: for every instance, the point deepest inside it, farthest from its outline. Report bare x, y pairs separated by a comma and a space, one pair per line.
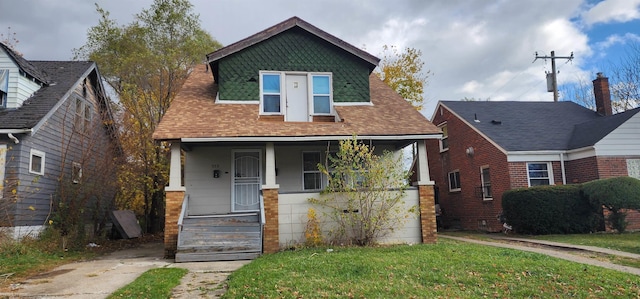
50, 274
201, 285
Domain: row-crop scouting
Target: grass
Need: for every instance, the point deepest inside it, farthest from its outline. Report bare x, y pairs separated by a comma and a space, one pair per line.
628, 242
155, 283
30, 256
447, 269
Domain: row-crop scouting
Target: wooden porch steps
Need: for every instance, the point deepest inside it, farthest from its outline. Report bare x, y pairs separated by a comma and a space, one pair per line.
219, 238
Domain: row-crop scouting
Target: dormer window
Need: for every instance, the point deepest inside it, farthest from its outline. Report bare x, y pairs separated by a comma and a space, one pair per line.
298, 96
4, 87
270, 87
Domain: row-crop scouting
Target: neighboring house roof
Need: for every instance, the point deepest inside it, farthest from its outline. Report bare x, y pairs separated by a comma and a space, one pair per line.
589, 133
284, 26
62, 77
194, 113
25, 65
530, 126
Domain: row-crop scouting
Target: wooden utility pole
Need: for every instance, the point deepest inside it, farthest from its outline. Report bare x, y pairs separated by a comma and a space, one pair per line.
553, 58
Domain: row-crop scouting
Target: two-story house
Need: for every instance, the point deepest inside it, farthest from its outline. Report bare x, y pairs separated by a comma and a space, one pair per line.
253, 124
57, 143
490, 147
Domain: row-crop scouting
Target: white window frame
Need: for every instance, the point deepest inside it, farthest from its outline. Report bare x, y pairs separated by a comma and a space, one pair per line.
281, 94
449, 181
549, 173
42, 156
316, 171
484, 184
4, 87
310, 94
445, 137
76, 172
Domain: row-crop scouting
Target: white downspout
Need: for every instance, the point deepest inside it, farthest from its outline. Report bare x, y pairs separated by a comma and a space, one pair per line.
15, 140
564, 175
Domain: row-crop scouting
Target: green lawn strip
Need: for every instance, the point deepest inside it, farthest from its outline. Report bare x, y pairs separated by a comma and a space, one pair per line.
628, 242
447, 269
19, 260
154, 283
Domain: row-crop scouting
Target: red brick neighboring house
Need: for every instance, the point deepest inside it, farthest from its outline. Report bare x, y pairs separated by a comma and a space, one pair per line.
253, 124
491, 147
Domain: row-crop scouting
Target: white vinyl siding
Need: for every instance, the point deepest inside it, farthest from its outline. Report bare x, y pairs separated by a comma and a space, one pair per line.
623, 141
20, 88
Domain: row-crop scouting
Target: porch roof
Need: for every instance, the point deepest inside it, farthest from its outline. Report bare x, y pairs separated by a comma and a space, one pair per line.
195, 115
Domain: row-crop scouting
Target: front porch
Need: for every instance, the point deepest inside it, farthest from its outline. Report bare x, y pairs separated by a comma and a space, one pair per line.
204, 223
225, 237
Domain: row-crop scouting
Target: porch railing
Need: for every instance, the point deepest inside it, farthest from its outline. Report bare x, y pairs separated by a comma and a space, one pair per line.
262, 220
183, 213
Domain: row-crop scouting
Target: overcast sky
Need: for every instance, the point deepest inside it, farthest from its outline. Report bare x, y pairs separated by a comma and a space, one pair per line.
477, 49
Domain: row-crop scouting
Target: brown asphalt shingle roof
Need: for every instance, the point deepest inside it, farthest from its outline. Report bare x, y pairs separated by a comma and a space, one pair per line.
195, 114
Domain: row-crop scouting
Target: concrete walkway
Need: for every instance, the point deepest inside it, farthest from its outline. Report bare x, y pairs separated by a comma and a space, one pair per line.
558, 250
100, 277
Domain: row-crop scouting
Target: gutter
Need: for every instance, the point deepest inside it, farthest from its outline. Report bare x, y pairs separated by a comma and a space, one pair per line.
311, 138
10, 133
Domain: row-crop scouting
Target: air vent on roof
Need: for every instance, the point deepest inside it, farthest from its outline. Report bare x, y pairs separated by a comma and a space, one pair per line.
496, 122
475, 118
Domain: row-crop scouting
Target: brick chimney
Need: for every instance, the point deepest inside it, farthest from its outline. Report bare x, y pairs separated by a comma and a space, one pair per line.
602, 94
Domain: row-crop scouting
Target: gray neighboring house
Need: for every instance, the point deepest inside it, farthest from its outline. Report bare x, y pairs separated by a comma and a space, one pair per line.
57, 143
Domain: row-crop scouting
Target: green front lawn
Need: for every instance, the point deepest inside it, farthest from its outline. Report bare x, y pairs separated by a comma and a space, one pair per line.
628, 242
447, 269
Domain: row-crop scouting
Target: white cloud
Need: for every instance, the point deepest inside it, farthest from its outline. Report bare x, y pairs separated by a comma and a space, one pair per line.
474, 49
472, 86
613, 11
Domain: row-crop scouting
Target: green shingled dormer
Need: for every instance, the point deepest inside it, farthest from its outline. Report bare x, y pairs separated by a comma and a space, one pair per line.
293, 70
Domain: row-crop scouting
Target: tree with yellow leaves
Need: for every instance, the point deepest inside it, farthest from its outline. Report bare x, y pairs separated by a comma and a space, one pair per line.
404, 73
146, 62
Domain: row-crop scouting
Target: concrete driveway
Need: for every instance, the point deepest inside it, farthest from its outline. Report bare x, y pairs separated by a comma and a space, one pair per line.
100, 277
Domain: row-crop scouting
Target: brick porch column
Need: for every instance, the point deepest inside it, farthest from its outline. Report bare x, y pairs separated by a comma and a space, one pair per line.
427, 214
426, 191
174, 195
271, 237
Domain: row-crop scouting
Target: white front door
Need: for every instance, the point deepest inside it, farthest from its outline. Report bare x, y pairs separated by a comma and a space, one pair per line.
297, 102
246, 181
